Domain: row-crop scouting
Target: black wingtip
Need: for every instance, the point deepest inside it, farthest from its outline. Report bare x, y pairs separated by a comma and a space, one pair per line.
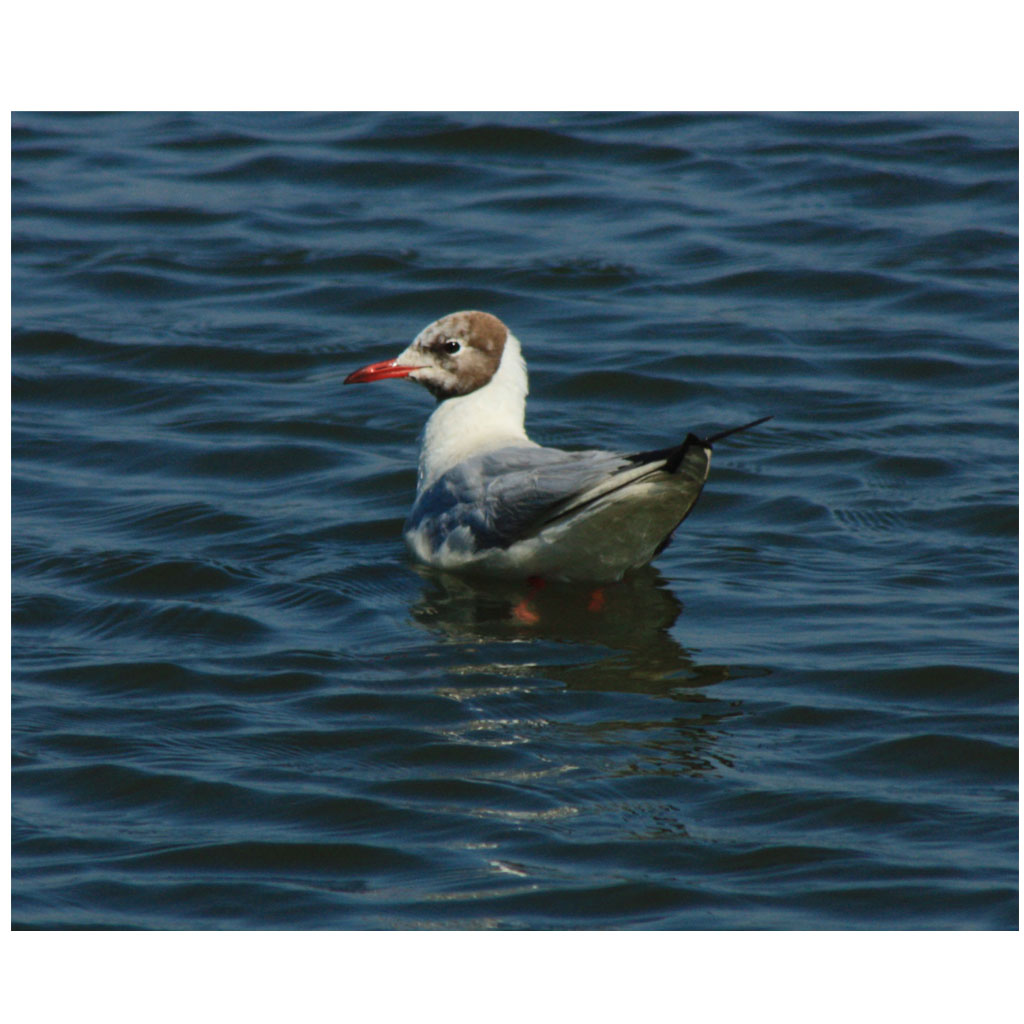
673, 457
735, 430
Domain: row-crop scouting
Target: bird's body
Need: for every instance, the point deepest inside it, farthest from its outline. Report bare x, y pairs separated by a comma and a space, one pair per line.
489, 499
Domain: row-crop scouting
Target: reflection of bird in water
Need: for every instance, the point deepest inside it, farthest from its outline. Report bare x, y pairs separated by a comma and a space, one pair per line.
630, 625
623, 655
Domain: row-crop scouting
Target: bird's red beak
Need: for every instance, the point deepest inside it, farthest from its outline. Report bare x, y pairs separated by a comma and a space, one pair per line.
380, 371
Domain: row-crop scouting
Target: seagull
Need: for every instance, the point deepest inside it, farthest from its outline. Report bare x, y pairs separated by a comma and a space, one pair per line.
491, 501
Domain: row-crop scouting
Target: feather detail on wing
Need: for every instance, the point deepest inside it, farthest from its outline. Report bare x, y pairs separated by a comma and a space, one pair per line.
516, 493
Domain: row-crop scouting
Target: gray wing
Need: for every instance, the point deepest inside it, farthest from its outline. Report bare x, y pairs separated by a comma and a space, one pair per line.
515, 493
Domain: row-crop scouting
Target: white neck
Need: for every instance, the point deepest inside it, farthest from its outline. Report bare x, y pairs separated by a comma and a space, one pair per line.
490, 417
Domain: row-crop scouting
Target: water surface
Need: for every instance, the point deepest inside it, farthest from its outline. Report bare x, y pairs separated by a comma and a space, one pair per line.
237, 704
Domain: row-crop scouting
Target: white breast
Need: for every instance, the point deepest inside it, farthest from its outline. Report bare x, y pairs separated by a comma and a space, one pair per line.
490, 417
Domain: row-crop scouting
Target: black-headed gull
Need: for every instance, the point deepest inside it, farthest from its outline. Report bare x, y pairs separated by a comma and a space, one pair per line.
489, 499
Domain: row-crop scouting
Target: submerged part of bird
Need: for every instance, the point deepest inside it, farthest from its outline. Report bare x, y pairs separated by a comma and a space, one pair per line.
488, 499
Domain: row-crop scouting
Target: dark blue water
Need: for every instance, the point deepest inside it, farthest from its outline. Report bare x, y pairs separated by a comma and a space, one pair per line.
237, 704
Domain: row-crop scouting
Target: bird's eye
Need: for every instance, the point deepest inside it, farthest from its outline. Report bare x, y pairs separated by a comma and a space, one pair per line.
450, 346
